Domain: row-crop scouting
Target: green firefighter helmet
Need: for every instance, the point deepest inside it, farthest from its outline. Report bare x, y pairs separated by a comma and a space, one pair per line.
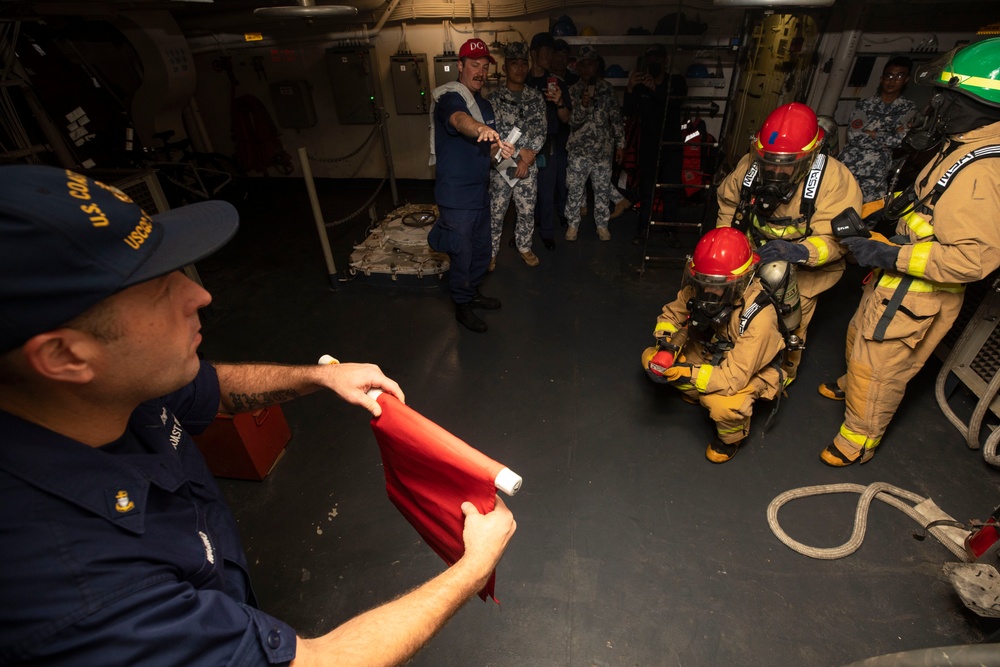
972, 70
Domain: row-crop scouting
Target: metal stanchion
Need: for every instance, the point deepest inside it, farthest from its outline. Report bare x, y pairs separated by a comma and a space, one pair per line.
324, 240
387, 155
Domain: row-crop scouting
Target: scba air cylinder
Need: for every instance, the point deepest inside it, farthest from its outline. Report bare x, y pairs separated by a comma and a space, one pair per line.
779, 279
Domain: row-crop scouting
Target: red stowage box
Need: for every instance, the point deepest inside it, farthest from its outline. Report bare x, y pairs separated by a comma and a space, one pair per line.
247, 445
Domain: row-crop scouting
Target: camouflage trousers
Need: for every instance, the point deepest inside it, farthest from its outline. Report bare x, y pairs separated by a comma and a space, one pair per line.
524, 195
598, 169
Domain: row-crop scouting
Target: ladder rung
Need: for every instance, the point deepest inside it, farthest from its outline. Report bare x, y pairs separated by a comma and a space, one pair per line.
651, 258
713, 144
683, 185
665, 223
698, 98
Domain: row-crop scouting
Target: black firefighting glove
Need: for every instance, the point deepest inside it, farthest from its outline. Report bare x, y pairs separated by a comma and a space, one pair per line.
870, 252
785, 251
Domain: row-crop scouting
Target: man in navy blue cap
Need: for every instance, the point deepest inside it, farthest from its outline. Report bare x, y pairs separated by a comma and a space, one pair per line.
118, 546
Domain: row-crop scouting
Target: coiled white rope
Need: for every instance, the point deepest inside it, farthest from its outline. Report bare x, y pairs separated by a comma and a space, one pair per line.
883, 491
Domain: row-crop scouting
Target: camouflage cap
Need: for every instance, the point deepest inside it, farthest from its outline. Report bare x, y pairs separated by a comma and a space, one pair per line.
587, 52
515, 51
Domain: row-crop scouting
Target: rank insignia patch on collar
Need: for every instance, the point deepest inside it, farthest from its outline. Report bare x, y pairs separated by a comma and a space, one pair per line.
122, 502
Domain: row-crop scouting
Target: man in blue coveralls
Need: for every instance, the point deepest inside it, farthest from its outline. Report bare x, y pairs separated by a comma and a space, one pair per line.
463, 141
118, 546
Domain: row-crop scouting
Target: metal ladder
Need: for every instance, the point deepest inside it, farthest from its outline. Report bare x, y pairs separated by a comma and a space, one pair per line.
974, 361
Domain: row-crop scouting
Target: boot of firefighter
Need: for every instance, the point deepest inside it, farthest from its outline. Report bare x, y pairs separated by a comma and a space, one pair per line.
720, 452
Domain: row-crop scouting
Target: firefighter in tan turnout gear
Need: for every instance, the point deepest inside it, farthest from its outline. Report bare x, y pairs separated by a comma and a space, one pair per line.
720, 341
948, 232
784, 194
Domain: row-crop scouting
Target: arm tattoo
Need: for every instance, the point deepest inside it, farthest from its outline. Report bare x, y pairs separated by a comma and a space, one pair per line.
246, 402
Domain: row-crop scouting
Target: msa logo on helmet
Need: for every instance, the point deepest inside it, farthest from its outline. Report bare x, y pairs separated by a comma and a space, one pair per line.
815, 174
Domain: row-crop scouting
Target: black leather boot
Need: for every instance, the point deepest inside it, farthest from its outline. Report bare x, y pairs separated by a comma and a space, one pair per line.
468, 319
484, 302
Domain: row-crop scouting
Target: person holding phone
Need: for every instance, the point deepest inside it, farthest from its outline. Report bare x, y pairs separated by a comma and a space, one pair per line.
551, 159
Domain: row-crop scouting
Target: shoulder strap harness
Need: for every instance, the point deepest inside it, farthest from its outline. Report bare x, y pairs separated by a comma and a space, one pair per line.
807, 206
893, 304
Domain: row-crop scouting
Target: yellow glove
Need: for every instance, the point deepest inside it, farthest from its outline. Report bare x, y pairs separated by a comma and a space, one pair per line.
677, 373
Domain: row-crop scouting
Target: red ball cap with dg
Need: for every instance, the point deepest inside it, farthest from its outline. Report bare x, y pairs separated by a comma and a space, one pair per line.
476, 48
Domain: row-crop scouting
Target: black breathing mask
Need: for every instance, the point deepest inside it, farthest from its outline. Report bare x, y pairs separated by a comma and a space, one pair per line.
928, 128
948, 112
769, 194
706, 317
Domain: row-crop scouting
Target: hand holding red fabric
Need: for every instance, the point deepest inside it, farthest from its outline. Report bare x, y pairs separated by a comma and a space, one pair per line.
431, 476
486, 536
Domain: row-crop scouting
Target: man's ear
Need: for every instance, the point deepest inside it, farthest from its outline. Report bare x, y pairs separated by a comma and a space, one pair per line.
63, 355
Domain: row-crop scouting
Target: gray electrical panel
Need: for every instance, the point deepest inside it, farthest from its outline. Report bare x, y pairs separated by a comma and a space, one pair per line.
293, 104
410, 83
355, 91
445, 69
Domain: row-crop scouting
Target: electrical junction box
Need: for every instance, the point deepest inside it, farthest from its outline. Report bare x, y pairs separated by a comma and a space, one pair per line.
410, 84
445, 69
293, 104
355, 90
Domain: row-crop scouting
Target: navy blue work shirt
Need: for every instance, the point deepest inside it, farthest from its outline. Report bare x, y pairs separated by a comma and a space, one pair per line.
126, 554
463, 164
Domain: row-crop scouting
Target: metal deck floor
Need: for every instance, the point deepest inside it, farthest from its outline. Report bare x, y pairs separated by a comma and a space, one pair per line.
631, 548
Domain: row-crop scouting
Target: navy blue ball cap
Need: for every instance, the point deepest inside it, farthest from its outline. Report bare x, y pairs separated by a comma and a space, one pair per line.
67, 242
542, 39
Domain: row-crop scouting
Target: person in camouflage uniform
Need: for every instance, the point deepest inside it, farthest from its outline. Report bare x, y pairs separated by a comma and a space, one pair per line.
878, 124
597, 127
517, 105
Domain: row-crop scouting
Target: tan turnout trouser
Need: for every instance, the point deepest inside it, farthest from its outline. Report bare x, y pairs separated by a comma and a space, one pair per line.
877, 372
731, 414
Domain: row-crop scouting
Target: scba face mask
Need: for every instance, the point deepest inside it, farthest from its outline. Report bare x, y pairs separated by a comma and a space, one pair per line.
928, 128
770, 193
968, 95
948, 113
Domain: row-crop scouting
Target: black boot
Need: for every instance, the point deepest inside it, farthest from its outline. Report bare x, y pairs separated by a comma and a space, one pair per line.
484, 302
468, 319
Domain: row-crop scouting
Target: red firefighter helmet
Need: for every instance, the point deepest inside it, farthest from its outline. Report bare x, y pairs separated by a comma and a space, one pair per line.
720, 268
786, 143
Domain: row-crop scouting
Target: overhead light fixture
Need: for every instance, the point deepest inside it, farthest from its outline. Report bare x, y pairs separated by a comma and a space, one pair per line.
306, 9
772, 3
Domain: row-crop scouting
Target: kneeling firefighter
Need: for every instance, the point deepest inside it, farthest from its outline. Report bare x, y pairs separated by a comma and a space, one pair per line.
947, 235
784, 194
721, 341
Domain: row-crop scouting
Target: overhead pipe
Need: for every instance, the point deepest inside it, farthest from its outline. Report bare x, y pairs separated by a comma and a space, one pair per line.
491, 11
229, 42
